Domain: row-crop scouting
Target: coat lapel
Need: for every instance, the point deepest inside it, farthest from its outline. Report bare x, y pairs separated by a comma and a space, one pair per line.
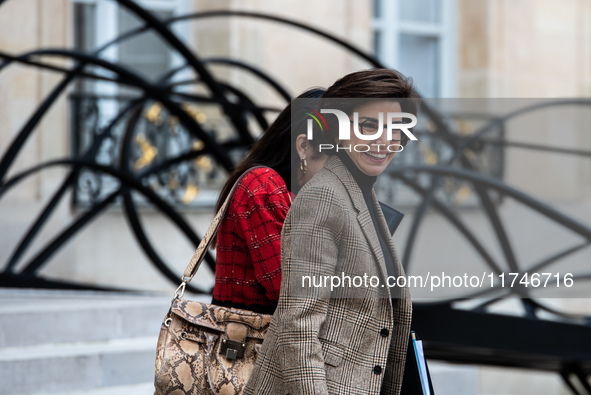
335, 165
386, 231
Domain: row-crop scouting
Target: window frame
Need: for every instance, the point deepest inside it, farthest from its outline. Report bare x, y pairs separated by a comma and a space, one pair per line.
390, 28
108, 29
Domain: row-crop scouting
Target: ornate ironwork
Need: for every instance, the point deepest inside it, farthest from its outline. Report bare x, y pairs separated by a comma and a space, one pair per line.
88, 174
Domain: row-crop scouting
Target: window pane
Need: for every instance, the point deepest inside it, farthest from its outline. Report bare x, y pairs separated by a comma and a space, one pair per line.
377, 43
419, 59
84, 37
146, 54
377, 8
84, 27
420, 10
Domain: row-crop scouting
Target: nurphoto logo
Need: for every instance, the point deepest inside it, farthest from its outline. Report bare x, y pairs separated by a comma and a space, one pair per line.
366, 129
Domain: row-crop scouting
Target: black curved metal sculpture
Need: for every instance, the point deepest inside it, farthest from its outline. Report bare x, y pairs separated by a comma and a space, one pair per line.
173, 101
149, 174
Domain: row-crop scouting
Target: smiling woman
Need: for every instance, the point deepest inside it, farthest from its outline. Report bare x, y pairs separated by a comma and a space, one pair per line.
342, 341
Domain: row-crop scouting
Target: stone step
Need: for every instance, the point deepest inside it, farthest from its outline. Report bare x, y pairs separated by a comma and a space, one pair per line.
71, 367
29, 318
73, 342
136, 389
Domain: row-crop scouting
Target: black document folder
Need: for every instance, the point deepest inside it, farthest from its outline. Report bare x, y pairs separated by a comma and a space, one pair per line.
393, 217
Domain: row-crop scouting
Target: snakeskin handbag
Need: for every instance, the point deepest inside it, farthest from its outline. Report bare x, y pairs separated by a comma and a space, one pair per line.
205, 349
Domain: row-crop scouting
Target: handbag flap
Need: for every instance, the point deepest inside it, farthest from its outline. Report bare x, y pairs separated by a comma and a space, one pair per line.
216, 317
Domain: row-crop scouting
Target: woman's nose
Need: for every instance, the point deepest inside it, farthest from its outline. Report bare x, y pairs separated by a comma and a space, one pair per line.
383, 137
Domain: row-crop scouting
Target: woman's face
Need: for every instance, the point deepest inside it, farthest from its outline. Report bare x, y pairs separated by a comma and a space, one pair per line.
374, 161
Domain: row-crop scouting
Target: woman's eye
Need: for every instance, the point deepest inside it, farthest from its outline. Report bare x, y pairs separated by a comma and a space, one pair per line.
370, 126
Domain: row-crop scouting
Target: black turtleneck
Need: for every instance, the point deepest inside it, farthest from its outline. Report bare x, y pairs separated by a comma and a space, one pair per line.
366, 183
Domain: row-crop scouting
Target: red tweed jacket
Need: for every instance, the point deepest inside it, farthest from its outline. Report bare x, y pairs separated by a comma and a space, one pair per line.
248, 260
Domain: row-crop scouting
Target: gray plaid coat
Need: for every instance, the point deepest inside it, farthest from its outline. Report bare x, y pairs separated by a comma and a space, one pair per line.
344, 341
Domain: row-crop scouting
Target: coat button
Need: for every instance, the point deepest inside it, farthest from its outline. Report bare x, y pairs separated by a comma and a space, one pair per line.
377, 369
385, 332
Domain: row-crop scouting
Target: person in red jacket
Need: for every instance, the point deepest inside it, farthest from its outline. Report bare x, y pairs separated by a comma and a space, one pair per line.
248, 257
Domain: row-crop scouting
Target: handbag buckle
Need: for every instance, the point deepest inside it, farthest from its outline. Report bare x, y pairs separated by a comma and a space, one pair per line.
232, 349
180, 291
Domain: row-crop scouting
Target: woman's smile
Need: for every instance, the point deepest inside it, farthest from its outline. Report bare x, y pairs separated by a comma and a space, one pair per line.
376, 156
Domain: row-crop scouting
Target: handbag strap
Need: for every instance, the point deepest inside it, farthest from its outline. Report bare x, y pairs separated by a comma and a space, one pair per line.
201, 250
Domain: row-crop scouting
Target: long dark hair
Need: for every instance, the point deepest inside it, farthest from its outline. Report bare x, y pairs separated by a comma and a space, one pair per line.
273, 149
